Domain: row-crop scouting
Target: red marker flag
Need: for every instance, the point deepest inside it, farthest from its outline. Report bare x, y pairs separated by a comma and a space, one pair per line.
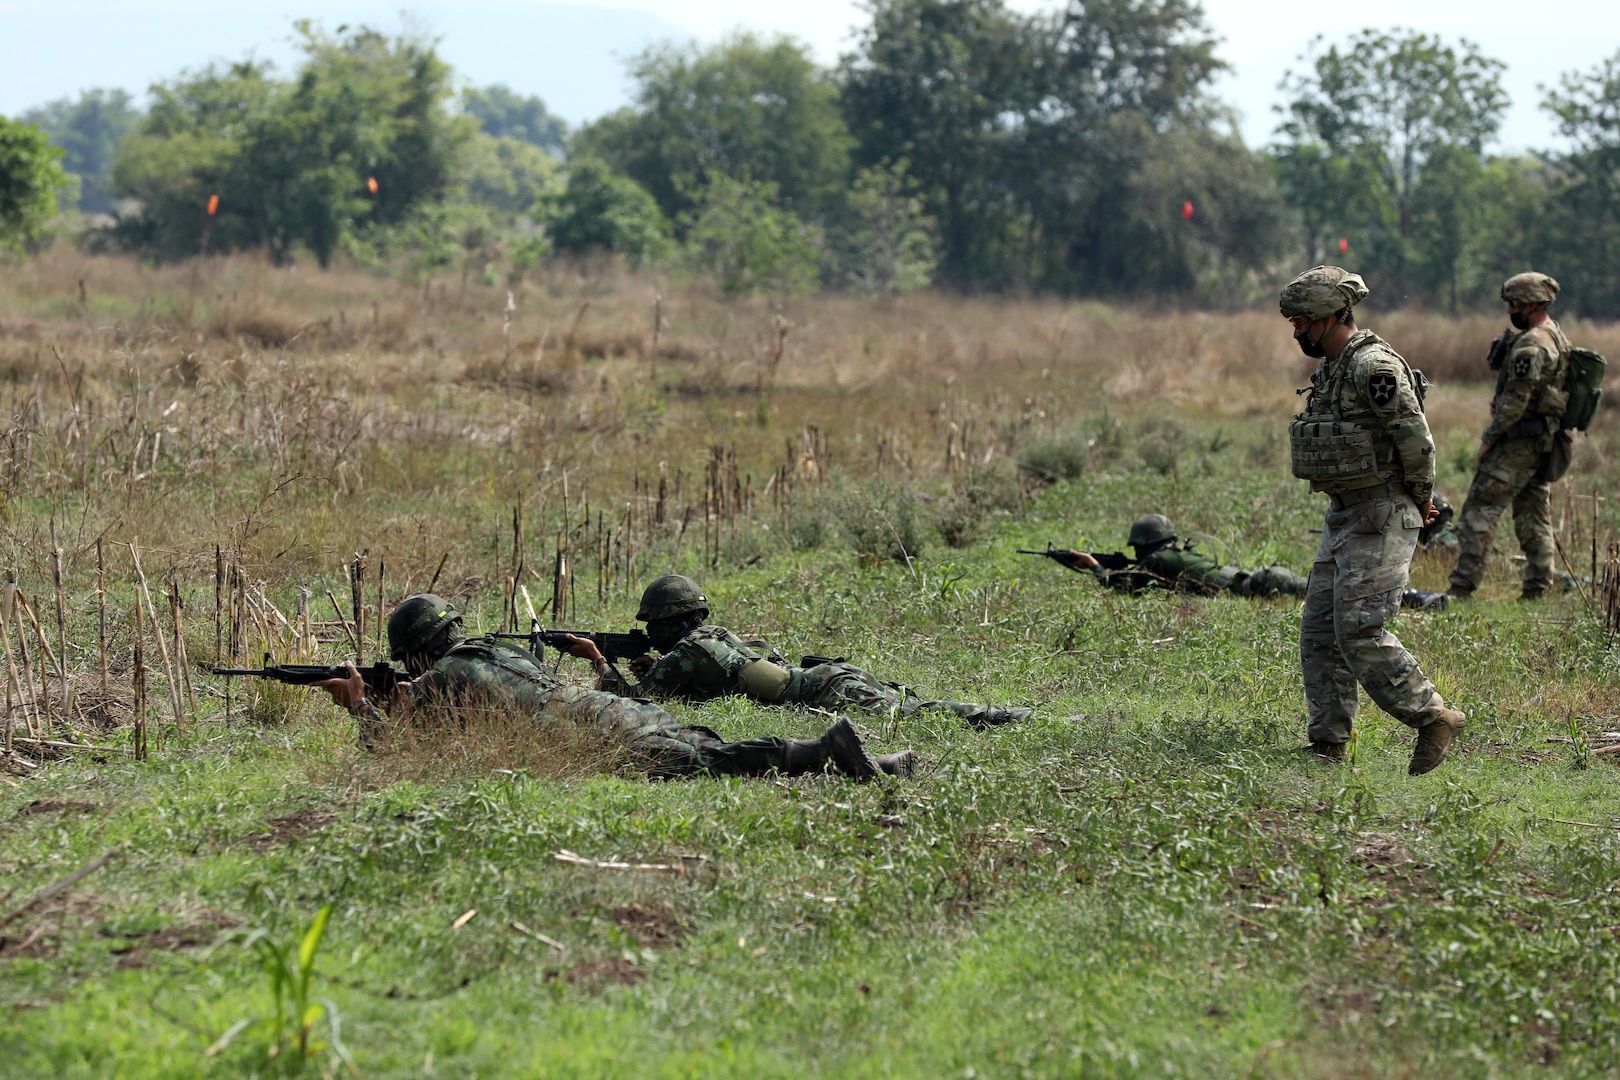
1186, 210
213, 204
1344, 244
371, 184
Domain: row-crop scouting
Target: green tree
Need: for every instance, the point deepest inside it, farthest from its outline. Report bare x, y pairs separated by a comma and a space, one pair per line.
31, 176
89, 130
748, 107
506, 114
602, 210
742, 234
1363, 122
1586, 105
885, 243
507, 175
293, 162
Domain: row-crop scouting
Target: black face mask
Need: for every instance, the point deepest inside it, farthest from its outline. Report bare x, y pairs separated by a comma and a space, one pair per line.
1315, 349
1519, 319
665, 634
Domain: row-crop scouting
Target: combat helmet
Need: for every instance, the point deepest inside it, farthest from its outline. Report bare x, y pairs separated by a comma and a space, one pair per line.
1530, 287
1151, 529
419, 624
669, 596
1321, 292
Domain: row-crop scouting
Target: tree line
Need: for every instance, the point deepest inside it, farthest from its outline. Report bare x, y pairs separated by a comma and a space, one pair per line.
959, 142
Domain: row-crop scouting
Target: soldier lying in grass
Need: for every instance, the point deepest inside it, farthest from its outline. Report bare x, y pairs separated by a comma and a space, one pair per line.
700, 662
452, 671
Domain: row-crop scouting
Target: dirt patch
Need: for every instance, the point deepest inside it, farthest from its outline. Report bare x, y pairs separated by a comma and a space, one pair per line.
58, 806
654, 926
607, 971
33, 944
293, 827
1382, 850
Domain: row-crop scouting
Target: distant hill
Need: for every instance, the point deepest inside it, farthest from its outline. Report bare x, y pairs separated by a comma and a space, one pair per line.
570, 55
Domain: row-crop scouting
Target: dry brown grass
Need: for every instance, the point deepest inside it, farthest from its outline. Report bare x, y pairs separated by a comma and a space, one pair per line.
440, 745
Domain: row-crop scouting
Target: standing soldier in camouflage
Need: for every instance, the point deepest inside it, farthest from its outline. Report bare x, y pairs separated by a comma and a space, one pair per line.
1523, 448
1364, 441
700, 662
452, 671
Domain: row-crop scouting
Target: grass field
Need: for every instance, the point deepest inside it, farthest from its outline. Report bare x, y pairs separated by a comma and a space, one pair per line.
1147, 878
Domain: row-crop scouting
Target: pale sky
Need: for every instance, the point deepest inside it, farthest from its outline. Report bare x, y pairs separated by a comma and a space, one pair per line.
572, 53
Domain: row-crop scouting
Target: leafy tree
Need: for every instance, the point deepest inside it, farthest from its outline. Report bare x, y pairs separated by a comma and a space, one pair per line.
507, 175
293, 162
886, 244
1365, 120
602, 210
747, 107
506, 114
742, 234
1586, 105
31, 176
90, 131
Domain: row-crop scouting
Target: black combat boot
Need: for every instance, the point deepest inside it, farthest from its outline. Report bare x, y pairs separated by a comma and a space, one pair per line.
902, 764
994, 717
804, 756
1424, 601
1331, 752
848, 752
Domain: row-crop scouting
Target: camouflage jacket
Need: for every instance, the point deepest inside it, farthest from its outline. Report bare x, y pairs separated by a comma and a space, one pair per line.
1174, 566
1370, 384
707, 663
1531, 381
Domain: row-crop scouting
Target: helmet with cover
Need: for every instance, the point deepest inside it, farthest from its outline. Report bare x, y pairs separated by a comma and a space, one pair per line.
1321, 293
670, 596
423, 625
1530, 287
1150, 530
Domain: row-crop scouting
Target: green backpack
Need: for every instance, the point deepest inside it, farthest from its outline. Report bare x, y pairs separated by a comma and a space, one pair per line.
1586, 369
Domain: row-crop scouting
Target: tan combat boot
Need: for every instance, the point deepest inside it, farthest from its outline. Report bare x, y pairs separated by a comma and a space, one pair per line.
1434, 740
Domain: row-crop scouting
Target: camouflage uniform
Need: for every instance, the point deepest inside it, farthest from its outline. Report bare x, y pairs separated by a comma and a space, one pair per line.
484, 672
1533, 366
1364, 440
708, 663
1178, 566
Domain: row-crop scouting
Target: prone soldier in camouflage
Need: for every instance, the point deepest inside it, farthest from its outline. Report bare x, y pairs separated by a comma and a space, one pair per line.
1523, 447
452, 671
1162, 562
1362, 439
700, 662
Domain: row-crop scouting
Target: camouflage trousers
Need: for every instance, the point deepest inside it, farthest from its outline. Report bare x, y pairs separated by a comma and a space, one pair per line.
1509, 474
1271, 580
1355, 589
661, 744
837, 687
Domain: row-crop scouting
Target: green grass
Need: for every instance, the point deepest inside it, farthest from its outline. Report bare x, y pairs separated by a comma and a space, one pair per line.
1148, 878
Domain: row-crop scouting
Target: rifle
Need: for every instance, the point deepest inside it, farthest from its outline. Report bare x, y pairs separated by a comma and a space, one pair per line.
614, 647
1108, 560
380, 677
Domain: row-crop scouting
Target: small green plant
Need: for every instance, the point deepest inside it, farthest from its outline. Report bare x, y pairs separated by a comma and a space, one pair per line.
1057, 457
288, 1032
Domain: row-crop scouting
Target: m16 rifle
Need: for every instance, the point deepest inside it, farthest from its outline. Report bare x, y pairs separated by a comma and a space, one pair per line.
1108, 560
614, 647
380, 678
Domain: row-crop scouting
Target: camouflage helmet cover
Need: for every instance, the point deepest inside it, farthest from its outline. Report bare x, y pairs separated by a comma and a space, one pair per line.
1150, 529
418, 622
1530, 287
669, 596
1321, 292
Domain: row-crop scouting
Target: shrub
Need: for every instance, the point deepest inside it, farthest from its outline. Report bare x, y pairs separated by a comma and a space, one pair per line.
879, 519
1060, 456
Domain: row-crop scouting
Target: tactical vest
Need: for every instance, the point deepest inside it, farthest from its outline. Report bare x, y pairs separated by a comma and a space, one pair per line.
1339, 453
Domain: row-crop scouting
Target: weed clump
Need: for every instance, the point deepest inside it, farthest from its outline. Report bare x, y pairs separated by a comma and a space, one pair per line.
1061, 456
984, 492
879, 519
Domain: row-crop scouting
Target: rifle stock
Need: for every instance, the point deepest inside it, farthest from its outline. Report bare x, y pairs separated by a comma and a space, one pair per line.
380, 678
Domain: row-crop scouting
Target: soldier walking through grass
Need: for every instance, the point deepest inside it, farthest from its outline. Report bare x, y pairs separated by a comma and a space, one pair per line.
1524, 447
700, 662
452, 671
1362, 439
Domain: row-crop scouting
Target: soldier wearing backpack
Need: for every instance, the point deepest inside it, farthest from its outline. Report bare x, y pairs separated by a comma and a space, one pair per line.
1544, 389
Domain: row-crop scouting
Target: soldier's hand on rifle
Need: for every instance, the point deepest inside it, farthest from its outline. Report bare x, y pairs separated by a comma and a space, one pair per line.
1085, 560
641, 665
347, 692
584, 648
1429, 512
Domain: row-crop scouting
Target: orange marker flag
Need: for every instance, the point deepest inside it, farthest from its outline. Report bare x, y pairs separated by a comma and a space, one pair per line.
1344, 245
371, 184
1186, 210
213, 204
